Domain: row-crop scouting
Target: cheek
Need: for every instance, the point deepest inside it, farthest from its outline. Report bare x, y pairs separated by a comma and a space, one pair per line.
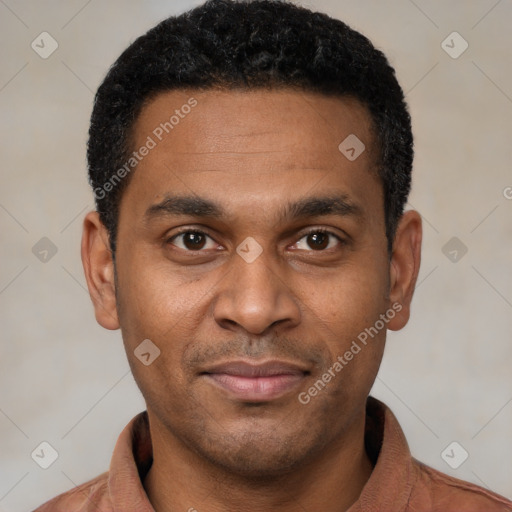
157, 307
344, 312
157, 300
349, 299
167, 308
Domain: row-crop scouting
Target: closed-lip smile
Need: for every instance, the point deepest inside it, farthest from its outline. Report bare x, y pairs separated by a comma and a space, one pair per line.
256, 382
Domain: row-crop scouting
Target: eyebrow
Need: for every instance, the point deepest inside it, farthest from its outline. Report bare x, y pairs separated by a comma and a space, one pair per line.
194, 206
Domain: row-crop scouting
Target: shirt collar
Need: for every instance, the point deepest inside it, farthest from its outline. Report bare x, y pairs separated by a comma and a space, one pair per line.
392, 480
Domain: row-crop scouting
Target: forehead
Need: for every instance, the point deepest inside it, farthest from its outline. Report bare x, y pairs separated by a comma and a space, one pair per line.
243, 145
295, 119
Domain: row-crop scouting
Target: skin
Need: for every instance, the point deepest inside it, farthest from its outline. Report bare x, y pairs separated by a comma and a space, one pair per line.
303, 300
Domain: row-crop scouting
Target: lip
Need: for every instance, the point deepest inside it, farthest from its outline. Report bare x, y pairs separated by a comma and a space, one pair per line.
256, 382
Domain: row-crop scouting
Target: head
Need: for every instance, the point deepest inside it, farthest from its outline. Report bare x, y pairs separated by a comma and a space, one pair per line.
250, 163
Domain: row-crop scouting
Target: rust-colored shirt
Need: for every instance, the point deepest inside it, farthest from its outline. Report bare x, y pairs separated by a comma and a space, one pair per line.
398, 483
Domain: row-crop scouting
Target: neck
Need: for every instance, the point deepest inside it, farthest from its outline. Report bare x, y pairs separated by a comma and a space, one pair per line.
180, 480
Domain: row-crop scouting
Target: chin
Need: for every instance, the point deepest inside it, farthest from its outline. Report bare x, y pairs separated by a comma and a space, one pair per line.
259, 455
254, 464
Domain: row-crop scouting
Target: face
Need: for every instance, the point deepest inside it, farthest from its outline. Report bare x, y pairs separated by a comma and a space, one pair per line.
252, 253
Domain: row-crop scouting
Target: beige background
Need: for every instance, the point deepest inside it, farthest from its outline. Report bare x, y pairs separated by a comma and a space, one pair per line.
447, 376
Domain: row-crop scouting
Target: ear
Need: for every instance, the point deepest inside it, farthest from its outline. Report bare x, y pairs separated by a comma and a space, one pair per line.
99, 270
404, 267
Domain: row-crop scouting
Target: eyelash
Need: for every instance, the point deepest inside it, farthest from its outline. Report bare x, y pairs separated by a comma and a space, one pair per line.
305, 234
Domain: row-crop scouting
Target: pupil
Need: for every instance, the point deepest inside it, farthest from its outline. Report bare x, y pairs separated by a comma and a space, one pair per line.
194, 239
318, 240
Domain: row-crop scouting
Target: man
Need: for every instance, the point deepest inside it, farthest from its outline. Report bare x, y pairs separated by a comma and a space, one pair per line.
250, 163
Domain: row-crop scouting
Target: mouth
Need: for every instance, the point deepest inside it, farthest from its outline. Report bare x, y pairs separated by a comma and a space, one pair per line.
248, 382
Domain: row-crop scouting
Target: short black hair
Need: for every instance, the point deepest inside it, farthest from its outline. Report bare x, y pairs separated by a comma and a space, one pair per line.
231, 44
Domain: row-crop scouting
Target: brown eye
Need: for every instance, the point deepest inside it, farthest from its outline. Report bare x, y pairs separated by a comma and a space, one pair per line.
190, 240
318, 240
193, 241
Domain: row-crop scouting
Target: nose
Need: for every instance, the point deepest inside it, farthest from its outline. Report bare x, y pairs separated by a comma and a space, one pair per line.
255, 297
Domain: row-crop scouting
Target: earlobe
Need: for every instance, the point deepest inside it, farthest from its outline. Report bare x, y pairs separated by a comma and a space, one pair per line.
404, 266
99, 270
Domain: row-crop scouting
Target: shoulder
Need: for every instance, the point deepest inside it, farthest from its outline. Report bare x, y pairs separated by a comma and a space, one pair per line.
89, 496
447, 494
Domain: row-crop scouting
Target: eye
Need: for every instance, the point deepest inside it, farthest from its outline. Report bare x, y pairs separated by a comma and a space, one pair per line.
319, 240
191, 240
